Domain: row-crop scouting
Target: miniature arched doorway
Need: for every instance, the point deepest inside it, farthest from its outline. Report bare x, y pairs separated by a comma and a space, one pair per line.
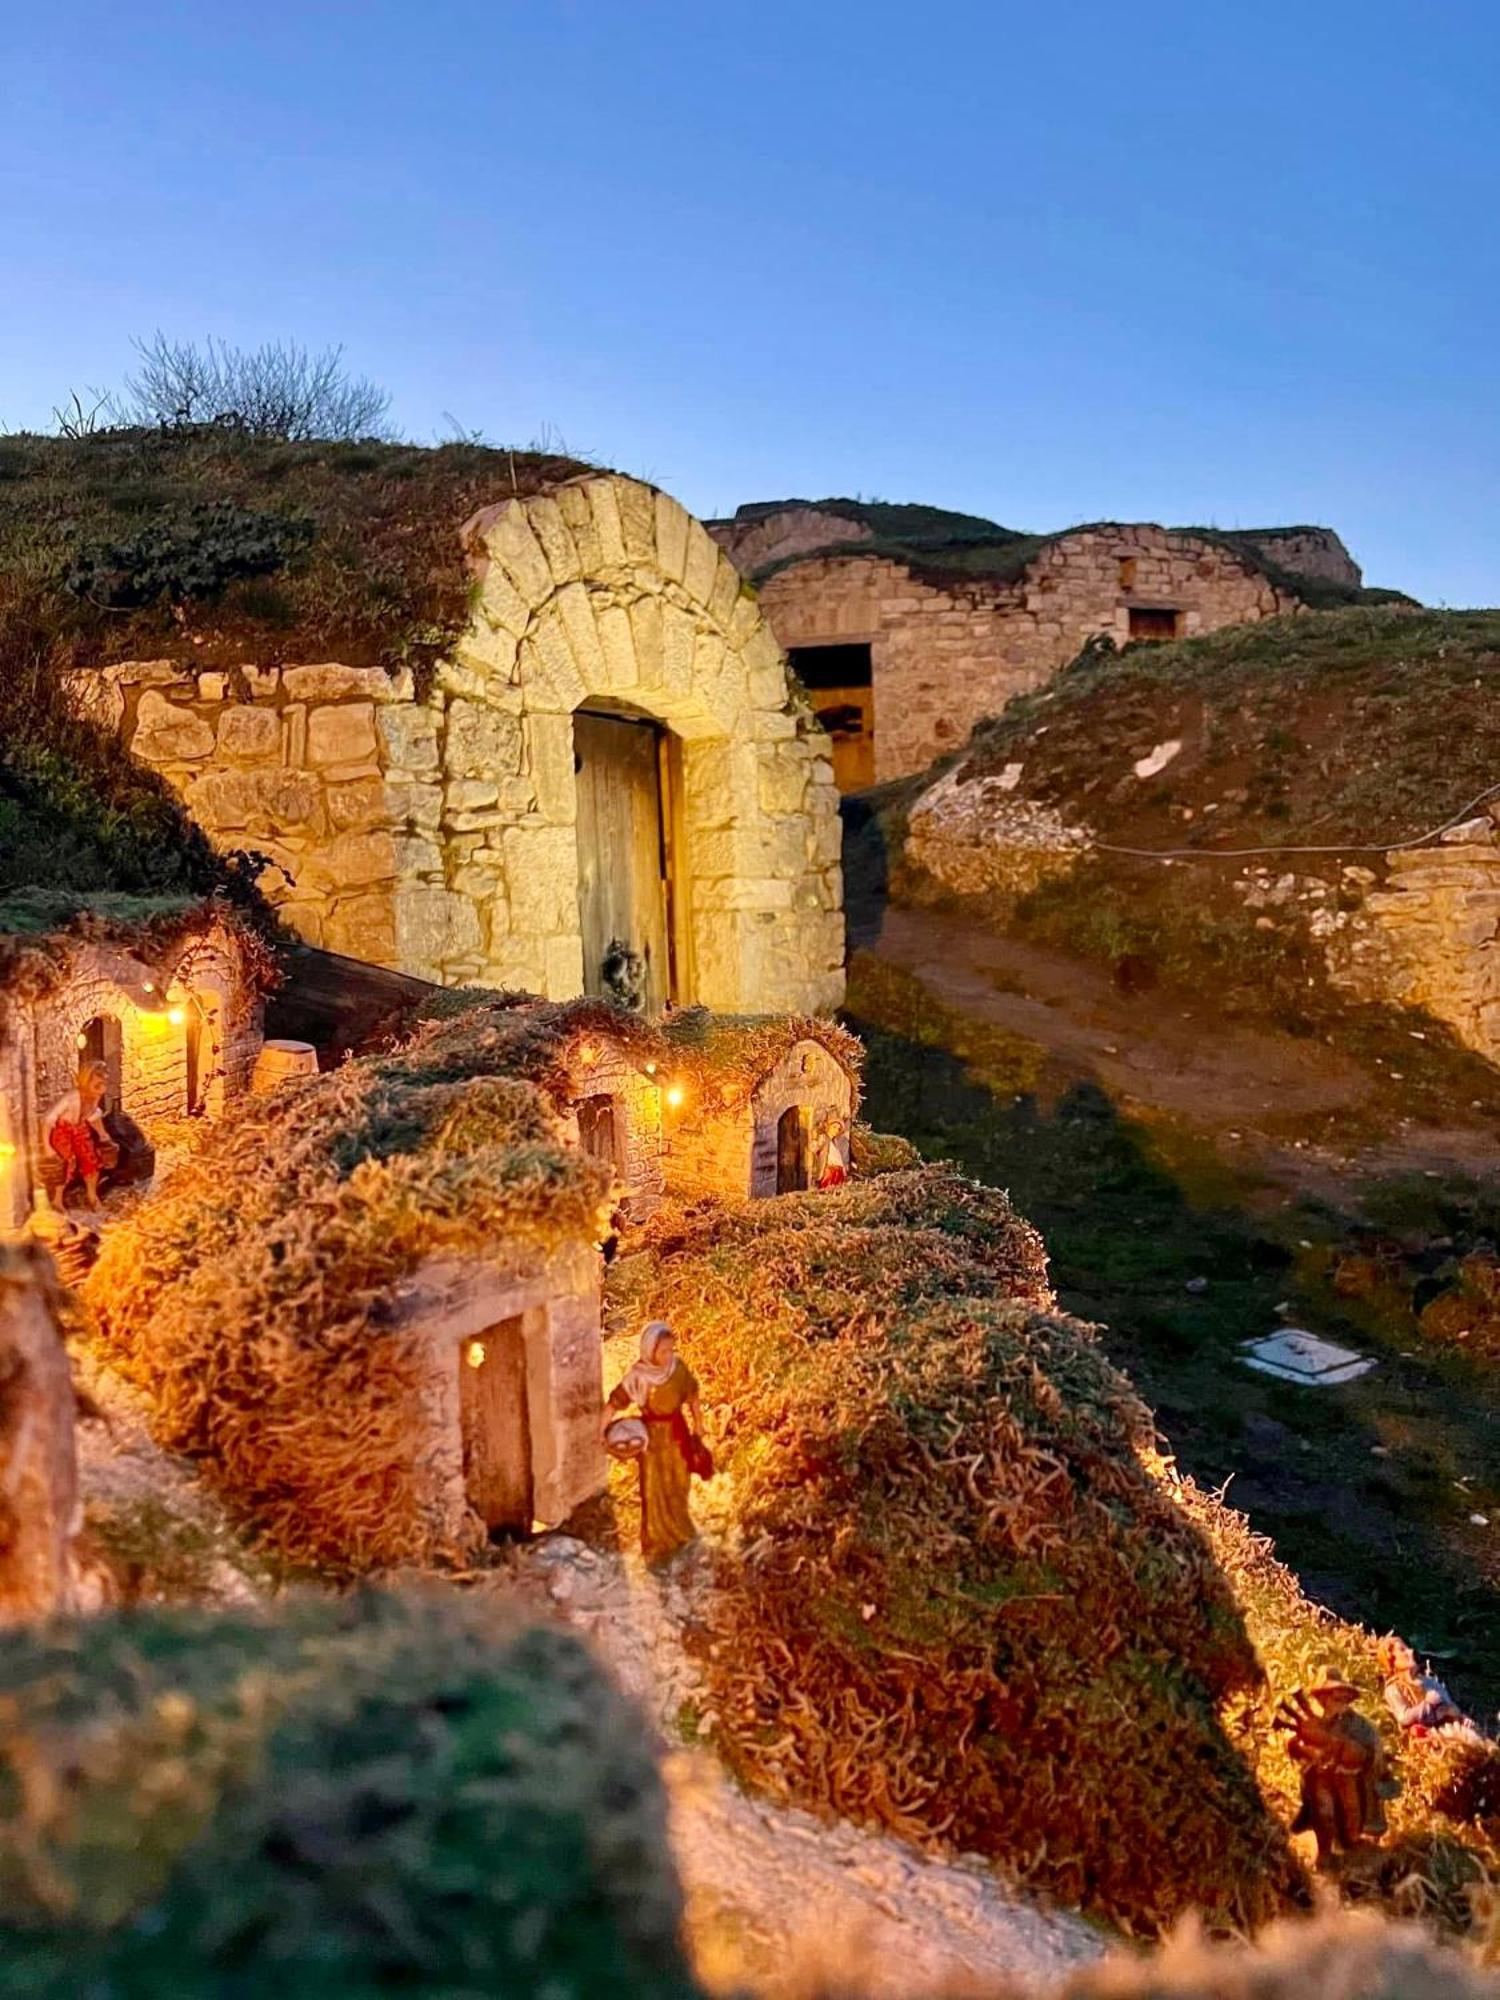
794, 1149
629, 896
599, 1129
100, 1041
496, 1427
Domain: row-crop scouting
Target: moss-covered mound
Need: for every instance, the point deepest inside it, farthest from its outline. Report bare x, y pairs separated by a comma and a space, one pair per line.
965, 1596
345, 1798
959, 1602
720, 1058
1361, 727
243, 1295
201, 545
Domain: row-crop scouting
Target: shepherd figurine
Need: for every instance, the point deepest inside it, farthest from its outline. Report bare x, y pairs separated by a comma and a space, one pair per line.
1338, 1754
665, 1391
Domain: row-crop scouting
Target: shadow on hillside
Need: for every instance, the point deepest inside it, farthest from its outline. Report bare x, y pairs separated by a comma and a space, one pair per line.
866, 870
1357, 1485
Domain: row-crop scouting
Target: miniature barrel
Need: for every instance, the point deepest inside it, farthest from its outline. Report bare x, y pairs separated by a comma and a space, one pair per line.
281, 1062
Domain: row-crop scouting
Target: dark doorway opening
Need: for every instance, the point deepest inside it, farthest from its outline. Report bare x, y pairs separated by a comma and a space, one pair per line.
496, 1427
1150, 621
599, 1129
840, 680
794, 1150
99, 1042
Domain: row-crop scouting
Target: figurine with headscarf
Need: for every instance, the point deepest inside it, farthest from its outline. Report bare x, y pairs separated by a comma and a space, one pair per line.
664, 1390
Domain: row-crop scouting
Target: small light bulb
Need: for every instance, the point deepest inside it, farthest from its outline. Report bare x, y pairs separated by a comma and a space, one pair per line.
674, 1095
148, 985
651, 1069
176, 1016
474, 1354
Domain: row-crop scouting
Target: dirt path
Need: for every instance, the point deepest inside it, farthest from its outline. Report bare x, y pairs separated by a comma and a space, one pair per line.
1155, 1052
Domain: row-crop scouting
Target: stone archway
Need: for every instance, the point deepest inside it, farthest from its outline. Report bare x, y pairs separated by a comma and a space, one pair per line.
604, 595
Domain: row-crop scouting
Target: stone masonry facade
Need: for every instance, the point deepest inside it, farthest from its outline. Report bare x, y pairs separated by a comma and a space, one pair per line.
946, 655
436, 833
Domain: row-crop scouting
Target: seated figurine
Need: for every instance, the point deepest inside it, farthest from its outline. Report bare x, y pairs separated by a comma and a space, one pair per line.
88, 1144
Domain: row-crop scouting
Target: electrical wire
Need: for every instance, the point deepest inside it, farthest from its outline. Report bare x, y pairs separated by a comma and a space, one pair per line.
1244, 853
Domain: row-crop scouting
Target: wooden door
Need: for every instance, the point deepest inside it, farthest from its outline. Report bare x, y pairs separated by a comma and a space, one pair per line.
622, 873
793, 1149
496, 1426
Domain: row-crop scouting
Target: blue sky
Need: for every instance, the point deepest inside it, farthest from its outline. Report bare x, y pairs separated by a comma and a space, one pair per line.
1193, 262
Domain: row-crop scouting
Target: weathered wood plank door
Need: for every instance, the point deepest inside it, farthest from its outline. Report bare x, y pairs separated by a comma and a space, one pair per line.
622, 870
496, 1425
794, 1150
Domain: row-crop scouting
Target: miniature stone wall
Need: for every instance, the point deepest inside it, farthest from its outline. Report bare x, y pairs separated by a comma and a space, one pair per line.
438, 834
38, 1467
39, 1042
729, 1151
607, 1071
945, 656
451, 1300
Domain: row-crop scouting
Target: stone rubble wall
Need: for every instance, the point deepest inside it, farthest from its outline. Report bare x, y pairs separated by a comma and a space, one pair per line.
1315, 552
946, 656
1429, 937
977, 837
794, 531
638, 1111
438, 835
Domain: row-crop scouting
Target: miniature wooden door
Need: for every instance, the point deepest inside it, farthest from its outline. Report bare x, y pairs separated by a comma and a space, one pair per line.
794, 1149
496, 1426
622, 867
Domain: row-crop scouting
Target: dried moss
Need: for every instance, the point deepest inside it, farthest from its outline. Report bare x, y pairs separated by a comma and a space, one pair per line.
245, 1295
966, 1597
346, 1798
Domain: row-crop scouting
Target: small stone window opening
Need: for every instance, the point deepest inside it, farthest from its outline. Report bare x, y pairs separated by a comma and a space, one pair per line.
1127, 572
1150, 621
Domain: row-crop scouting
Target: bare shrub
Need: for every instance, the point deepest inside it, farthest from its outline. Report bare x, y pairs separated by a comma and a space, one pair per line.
276, 390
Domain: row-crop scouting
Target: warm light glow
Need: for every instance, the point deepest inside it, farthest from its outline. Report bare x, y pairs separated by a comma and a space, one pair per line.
674, 1094
176, 1016
474, 1353
588, 1054
7, 1150
148, 985
651, 1069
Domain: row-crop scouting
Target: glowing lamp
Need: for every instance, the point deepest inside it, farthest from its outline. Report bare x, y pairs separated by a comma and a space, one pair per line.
588, 1054
148, 985
674, 1095
176, 1016
83, 1041
474, 1353
651, 1069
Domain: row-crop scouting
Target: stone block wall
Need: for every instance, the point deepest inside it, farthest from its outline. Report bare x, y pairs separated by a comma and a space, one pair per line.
606, 1070
439, 834
1429, 937
944, 656
452, 1300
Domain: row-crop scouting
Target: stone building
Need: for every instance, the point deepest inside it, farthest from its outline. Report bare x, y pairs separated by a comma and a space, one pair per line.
615, 1100
170, 1004
610, 785
745, 1108
504, 1434
908, 625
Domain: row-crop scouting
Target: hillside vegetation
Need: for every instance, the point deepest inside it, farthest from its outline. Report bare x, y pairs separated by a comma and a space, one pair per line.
966, 1597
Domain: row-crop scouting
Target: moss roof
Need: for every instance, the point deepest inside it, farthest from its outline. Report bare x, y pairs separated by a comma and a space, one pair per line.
40, 928
947, 549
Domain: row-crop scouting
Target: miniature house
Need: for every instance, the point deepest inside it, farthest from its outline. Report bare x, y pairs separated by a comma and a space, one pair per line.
735, 1131
507, 1434
172, 1009
616, 1100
